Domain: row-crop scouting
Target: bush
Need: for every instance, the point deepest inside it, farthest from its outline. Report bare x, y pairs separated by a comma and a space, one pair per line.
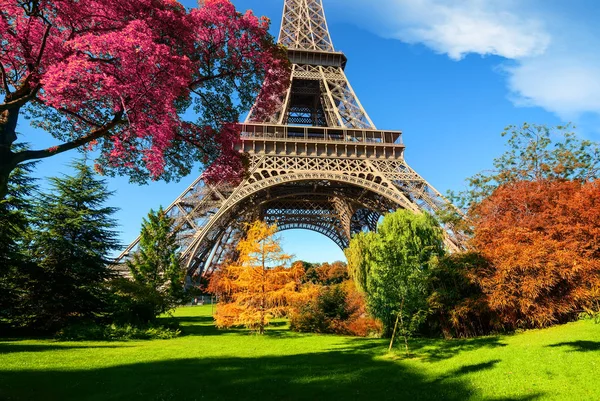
364, 326
113, 332
132, 313
457, 304
135, 304
338, 309
322, 313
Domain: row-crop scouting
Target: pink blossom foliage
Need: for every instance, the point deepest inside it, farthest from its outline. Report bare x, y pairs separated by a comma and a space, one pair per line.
119, 75
228, 167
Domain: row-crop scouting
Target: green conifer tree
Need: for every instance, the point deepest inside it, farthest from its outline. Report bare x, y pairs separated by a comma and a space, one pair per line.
74, 236
156, 264
15, 269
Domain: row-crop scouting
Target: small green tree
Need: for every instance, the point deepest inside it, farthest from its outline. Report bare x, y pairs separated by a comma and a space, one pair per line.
393, 265
535, 152
156, 263
71, 243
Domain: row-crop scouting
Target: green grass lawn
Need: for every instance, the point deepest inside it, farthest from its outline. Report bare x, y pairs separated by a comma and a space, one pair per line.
561, 363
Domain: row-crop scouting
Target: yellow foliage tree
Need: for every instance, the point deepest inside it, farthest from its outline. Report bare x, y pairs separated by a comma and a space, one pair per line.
258, 286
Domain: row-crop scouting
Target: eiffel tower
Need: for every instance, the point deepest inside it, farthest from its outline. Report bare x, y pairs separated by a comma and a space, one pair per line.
318, 163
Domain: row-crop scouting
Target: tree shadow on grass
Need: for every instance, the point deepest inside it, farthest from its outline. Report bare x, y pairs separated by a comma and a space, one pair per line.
428, 349
205, 326
579, 346
437, 349
478, 367
13, 347
315, 376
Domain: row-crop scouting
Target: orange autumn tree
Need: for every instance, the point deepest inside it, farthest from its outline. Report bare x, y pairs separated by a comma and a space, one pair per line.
542, 242
258, 286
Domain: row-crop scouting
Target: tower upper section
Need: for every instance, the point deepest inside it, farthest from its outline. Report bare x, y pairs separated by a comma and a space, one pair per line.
304, 26
319, 94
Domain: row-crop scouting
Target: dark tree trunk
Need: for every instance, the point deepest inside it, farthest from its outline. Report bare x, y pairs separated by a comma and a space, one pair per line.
8, 127
4, 174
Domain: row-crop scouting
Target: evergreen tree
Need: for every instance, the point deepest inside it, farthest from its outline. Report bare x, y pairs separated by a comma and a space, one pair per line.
14, 223
13, 213
71, 245
156, 264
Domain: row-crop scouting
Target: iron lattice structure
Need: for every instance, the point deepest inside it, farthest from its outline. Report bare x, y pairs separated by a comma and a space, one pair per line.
318, 163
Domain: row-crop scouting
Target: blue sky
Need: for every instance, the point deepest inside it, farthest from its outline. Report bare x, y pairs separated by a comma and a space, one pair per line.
450, 74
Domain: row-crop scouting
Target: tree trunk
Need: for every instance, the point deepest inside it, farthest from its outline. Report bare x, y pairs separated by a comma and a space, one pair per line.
399, 317
4, 174
262, 295
8, 126
262, 313
394, 333
404, 332
7, 165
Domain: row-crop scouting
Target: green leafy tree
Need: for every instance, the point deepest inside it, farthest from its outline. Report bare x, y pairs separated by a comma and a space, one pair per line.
72, 239
156, 263
359, 258
394, 269
535, 153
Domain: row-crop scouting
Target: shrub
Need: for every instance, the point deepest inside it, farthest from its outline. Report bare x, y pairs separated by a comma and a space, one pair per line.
338, 309
133, 303
457, 304
113, 332
364, 326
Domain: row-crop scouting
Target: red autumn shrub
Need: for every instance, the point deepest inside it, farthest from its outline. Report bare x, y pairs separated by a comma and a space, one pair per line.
542, 242
337, 309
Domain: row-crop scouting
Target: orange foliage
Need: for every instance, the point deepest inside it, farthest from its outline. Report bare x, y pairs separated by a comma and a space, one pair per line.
542, 240
360, 323
335, 272
344, 312
324, 273
257, 287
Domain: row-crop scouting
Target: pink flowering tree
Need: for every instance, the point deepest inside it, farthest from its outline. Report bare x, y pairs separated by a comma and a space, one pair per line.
120, 78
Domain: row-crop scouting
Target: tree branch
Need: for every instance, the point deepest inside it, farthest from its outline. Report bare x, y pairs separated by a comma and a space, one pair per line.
190, 141
44, 153
4, 79
85, 120
197, 82
43, 46
21, 100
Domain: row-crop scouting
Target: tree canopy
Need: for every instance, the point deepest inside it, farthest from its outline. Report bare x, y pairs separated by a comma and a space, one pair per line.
535, 152
542, 241
117, 77
73, 236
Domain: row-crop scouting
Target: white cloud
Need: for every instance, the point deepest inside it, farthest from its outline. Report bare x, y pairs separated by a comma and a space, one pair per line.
553, 50
458, 28
566, 85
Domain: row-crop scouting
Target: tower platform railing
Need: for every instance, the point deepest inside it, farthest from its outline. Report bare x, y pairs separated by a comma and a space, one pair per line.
319, 134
